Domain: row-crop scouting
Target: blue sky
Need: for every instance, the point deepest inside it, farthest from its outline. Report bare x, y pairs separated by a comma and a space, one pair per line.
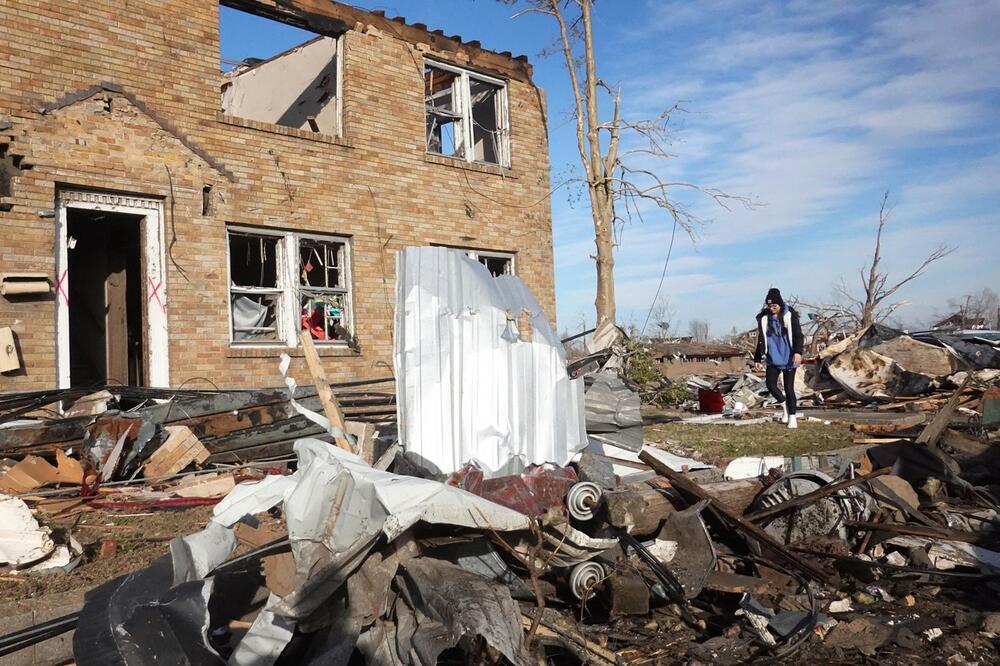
813, 109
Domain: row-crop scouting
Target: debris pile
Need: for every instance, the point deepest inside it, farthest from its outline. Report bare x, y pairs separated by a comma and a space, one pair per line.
878, 368
552, 537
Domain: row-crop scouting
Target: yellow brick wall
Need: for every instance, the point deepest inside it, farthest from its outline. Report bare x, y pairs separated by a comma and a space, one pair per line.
377, 185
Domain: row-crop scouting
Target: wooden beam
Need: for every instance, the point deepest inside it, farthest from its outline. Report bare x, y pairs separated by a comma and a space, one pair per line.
933, 431
930, 533
330, 405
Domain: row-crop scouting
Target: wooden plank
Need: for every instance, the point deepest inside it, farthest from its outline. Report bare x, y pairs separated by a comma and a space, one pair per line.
722, 581
902, 422
330, 405
116, 317
364, 435
931, 533
933, 431
692, 490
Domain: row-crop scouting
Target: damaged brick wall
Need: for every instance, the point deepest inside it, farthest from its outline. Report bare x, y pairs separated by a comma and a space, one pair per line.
155, 130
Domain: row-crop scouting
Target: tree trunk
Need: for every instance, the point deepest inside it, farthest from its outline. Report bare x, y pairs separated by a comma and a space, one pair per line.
601, 208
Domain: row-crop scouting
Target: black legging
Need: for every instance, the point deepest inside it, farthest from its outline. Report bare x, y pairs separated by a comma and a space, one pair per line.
788, 378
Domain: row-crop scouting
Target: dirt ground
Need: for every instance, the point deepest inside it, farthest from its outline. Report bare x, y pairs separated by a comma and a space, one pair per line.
139, 538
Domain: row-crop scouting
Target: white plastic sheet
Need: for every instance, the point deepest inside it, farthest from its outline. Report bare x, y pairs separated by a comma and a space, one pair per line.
468, 386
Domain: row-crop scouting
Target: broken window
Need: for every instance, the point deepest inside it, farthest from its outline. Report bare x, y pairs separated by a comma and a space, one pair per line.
293, 81
283, 283
464, 109
442, 97
254, 296
323, 289
497, 263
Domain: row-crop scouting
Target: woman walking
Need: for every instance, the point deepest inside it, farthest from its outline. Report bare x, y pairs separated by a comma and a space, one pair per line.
779, 342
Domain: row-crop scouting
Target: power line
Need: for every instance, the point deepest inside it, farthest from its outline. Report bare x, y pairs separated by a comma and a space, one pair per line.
666, 262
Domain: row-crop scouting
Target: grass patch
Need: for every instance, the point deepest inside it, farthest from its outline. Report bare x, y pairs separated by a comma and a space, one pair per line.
724, 442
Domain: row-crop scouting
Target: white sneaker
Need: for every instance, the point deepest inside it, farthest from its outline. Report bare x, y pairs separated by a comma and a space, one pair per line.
784, 413
792, 422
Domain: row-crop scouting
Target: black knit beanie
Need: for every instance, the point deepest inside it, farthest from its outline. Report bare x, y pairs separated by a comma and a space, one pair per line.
774, 297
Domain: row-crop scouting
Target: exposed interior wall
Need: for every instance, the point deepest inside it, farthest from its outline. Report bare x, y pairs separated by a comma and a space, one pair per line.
298, 88
166, 140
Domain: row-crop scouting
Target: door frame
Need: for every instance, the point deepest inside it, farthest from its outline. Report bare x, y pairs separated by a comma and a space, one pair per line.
153, 262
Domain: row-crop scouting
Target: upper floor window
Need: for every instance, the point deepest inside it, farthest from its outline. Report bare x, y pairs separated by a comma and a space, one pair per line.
278, 74
281, 283
466, 115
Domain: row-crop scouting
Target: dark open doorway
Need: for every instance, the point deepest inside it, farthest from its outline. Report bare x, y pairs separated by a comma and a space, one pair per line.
105, 298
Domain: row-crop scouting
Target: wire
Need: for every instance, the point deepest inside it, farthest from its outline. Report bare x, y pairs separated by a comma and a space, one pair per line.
666, 262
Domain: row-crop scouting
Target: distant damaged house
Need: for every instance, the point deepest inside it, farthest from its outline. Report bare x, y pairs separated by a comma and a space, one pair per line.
680, 358
167, 223
960, 321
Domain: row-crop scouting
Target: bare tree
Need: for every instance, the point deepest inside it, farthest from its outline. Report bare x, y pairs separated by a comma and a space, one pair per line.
618, 186
698, 328
858, 310
662, 317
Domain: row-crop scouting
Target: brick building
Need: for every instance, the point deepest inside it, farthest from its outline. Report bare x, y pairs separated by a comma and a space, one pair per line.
167, 223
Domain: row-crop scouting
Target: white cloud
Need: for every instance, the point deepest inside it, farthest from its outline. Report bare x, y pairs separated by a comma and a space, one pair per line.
814, 108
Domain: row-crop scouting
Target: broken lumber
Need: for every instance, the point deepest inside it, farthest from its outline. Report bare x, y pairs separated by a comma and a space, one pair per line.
330, 405
686, 487
933, 431
904, 422
722, 581
179, 450
637, 509
921, 531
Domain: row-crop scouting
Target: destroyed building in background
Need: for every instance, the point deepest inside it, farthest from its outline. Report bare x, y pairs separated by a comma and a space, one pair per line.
169, 224
680, 358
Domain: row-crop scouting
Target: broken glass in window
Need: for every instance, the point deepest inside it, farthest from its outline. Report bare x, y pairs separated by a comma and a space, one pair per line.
487, 125
496, 265
323, 289
442, 101
254, 293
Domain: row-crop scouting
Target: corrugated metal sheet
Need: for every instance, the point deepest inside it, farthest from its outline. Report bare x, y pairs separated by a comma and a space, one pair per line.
467, 387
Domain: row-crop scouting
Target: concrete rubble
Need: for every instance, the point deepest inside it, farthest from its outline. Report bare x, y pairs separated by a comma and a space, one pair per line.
415, 526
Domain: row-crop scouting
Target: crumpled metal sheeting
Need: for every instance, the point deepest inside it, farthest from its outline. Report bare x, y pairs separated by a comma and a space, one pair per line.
468, 387
613, 411
336, 506
440, 604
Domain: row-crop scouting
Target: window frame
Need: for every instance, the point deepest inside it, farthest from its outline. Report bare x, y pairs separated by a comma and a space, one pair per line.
464, 103
289, 288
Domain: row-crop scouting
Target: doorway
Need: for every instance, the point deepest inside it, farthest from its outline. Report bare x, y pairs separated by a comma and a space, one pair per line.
111, 293
105, 298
